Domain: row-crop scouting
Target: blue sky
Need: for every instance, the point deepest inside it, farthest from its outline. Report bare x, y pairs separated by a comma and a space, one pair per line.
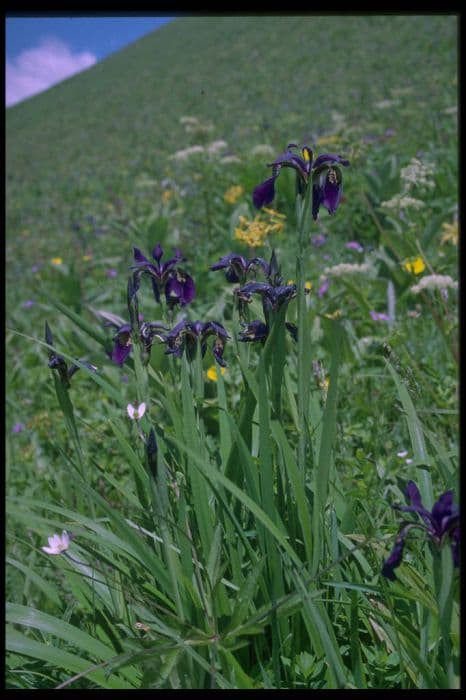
41, 51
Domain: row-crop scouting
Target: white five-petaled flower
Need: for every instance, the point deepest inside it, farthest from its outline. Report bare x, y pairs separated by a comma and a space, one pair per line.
136, 412
58, 543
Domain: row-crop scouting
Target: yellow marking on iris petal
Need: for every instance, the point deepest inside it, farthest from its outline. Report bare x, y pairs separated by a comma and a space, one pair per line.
307, 154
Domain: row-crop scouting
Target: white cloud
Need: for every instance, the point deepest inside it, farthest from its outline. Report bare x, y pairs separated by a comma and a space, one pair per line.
37, 69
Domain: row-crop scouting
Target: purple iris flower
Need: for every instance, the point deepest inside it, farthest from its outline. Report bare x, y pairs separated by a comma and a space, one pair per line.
237, 267
186, 335
440, 524
254, 332
272, 297
177, 285
327, 178
123, 342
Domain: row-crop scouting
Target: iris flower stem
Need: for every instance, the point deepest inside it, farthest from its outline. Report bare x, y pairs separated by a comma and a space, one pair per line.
304, 364
443, 583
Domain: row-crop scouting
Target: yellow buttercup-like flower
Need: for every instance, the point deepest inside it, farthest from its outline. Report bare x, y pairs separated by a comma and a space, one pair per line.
414, 265
57, 261
212, 373
233, 194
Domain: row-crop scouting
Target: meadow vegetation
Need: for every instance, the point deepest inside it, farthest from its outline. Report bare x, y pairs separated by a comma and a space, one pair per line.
212, 455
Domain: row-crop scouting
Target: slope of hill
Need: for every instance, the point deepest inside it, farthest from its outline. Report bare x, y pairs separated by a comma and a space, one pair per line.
81, 144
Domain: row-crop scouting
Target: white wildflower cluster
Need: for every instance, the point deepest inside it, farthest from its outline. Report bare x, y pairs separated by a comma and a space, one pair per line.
417, 174
192, 124
263, 149
186, 153
227, 160
346, 269
216, 147
434, 282
403, 201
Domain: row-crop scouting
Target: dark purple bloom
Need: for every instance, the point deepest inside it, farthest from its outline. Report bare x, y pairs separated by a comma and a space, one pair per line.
254, 332
177, 285
274, 297
123, 338
187, 335
122, 344
237, 267
440, 524
327, 178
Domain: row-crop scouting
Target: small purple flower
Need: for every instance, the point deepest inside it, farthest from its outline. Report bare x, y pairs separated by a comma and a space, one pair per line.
111, 273
237, 267
186, 336
18, 428
376, 316
28, 303
35, 268
323, 289
326, 189
354, 245
178, 286
319, 240
441, 525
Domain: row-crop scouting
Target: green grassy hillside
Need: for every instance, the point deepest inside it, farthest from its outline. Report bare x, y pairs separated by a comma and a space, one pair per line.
257, 79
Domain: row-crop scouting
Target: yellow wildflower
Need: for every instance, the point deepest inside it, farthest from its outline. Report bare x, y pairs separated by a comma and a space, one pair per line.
86, 258
167, 195
328, 140
212, 373
450, 233
57, 261
336, 314
233, 194
414, 265
253, 233
324, 384
308, 285
276, 220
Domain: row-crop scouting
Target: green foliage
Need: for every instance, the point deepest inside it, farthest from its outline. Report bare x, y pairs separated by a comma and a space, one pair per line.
246, 552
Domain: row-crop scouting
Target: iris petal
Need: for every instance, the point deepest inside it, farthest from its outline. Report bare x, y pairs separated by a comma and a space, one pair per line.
264, 193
